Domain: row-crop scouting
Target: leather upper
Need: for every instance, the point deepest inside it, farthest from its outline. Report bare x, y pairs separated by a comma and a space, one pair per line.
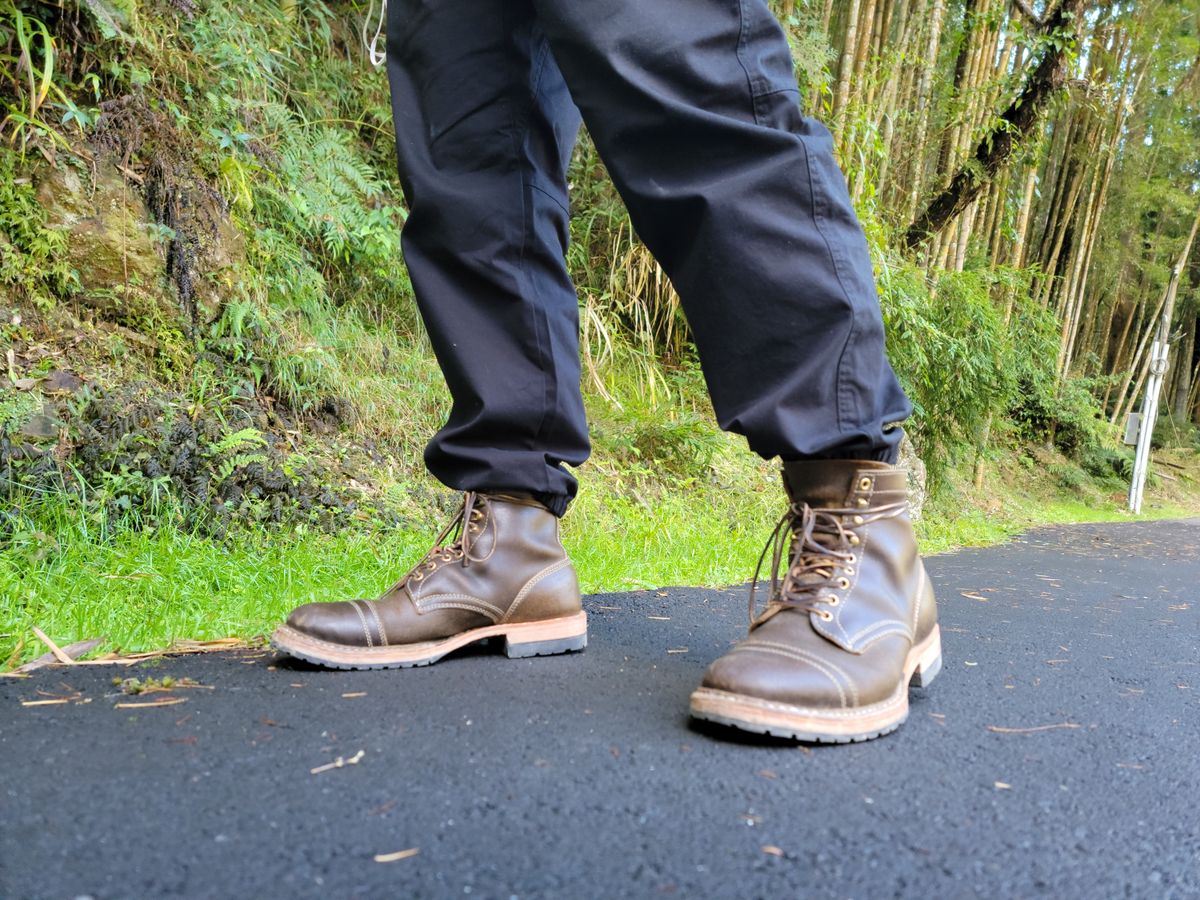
507, 565
854, 599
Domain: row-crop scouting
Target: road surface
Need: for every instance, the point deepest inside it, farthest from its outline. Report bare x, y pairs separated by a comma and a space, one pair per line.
1058, 755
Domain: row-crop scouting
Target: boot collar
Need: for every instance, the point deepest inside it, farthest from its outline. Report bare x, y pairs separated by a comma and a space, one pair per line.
834, 483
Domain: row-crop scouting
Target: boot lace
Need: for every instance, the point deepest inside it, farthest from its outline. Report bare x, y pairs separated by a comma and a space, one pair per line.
822, 553
466, 525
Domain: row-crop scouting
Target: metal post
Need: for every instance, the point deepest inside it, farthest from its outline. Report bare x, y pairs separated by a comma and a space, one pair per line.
1141, 459
1158, 370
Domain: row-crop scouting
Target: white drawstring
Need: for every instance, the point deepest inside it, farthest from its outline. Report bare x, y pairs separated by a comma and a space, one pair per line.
378, 57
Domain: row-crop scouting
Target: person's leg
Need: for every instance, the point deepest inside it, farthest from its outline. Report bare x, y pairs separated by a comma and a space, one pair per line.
484, 132
693, 107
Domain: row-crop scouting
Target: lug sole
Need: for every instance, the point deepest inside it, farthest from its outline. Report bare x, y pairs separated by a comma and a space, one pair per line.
521, 640
835, 726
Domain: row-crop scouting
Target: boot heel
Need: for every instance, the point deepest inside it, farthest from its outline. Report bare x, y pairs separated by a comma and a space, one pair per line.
547, 638
929, 664
520, 650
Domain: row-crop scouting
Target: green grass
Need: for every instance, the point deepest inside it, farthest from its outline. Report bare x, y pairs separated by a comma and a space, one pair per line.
974, 528
1016, 499
144, 589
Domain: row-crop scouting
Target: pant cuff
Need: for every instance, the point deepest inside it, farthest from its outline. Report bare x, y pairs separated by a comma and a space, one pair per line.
556, 503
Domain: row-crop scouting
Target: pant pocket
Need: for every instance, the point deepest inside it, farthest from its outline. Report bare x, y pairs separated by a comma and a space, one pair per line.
765, 55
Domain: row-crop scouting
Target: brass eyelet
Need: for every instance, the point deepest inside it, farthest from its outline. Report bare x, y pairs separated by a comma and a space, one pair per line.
825, 615
864, 484
849, 570
833, 600
853, 560
844, 583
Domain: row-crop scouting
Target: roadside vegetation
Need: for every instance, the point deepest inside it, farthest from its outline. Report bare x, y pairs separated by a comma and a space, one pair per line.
214, 386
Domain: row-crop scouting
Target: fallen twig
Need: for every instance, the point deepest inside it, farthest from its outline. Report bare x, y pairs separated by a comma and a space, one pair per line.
397, 856
49, 699
146, 704
339, 763
55, 651
176, 648
999, 729
72, 651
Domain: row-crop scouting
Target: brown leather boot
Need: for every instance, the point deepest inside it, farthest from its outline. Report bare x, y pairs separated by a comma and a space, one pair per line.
505, 575
846, 626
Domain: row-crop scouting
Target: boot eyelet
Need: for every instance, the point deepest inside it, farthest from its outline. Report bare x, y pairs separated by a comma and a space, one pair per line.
417, 576
825, 615
833, 600
849, 570
855, 540
864, 484
862, 501
852, 559
858, 520
844, 583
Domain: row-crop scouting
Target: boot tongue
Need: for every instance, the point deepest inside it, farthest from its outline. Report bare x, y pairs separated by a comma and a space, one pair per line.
824, 483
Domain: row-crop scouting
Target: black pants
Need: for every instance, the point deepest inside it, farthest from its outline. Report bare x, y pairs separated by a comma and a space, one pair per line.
694, 109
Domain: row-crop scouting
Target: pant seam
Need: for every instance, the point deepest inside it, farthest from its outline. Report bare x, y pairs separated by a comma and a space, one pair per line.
545, 193
840, 412
741, 46
520, 134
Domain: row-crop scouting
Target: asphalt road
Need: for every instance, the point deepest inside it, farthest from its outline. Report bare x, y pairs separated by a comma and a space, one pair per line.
1058, 755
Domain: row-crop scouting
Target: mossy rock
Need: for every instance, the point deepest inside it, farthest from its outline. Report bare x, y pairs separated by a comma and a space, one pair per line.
208, 250
110, 243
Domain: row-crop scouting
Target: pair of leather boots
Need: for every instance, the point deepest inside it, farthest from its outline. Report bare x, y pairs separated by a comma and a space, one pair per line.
849, 620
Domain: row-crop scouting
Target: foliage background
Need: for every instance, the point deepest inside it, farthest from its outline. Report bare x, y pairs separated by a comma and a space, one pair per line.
217, 389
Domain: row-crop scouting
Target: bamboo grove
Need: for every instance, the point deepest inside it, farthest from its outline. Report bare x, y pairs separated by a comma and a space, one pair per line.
1061, 139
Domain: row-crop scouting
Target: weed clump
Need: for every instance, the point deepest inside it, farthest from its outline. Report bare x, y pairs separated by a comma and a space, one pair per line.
134, 457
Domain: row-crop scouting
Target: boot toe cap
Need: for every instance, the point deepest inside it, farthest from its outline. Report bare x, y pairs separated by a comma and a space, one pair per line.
336, 622
764, 673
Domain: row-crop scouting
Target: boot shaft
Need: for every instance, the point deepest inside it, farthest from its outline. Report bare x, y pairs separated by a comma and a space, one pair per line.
882, 589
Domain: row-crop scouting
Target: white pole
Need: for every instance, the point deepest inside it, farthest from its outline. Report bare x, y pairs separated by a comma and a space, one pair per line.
1141, 463
1158, 369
